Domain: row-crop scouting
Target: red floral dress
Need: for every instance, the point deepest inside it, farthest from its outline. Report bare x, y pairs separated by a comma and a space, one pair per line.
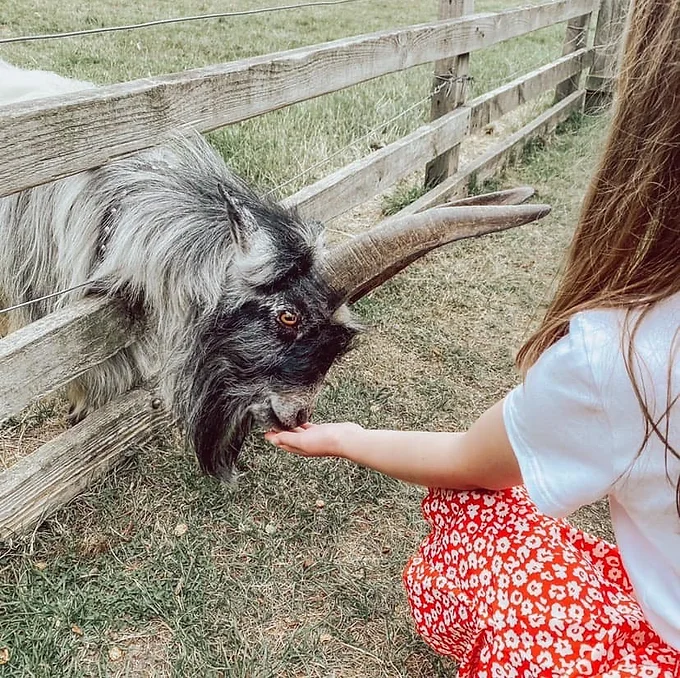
512, 593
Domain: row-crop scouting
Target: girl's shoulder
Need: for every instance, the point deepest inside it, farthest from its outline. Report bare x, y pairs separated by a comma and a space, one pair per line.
604, 335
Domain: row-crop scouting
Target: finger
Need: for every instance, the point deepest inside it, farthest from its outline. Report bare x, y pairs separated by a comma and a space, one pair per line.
283, 438
277, 443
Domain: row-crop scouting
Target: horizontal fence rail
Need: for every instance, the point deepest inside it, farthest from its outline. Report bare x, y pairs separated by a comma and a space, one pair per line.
375, 173
35, 486
363, 179
47, 354
488, 163
498, 102
67, 134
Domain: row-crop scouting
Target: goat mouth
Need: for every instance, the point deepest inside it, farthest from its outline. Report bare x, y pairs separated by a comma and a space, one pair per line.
270, 421
267, 419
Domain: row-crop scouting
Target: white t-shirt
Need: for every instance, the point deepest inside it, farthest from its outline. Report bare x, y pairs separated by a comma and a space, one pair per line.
576, 428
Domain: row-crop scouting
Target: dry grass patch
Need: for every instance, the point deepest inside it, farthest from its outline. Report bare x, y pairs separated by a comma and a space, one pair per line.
130, 653
25, 433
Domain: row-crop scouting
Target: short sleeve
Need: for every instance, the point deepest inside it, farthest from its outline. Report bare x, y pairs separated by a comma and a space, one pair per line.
558, 429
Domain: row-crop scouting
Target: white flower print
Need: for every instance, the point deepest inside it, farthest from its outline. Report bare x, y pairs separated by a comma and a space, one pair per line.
502, 509
526, 608
537, 621
527, 640
560, 571
533, 566
598, 652
503, 545
575, 613
582, 667
575, 632
535, 588
502, 599
532, 542
545, 555
523, 553
574, 589
511, 639
557, 592
563, 647
600, 549
516, 599
503, 581
519, 577
498, 620
545, 660
521, 528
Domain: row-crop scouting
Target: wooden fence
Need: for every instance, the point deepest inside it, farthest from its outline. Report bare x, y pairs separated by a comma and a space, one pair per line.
64, 135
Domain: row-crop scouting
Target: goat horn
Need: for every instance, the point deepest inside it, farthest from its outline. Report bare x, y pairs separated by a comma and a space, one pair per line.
359, 265
510, 196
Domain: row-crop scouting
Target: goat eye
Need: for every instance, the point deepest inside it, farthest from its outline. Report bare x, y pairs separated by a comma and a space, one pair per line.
288, 318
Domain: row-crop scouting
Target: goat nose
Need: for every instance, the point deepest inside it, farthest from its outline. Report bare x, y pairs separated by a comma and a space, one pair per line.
302, 417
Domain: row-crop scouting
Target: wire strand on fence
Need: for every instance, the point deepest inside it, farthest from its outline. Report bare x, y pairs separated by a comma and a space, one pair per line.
161, 22
30, 302
358, 140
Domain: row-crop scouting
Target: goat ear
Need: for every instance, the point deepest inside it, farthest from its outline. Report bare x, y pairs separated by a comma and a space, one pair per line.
239, 220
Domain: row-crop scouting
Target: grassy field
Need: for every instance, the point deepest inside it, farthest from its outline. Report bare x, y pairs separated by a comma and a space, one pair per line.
295, 571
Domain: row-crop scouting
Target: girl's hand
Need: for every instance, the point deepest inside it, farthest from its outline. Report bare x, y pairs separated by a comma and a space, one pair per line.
316, 440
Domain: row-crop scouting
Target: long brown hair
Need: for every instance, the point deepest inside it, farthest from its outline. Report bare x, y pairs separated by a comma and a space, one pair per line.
626, 249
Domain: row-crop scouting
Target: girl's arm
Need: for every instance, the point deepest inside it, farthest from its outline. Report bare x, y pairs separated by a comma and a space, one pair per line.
480, 458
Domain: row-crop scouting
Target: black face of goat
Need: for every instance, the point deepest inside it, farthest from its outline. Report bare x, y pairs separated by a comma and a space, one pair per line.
261, 362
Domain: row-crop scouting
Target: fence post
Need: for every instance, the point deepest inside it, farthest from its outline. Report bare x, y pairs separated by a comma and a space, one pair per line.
449, 91
611, 21
575, 38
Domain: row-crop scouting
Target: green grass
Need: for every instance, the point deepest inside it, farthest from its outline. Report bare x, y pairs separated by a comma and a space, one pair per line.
294, 571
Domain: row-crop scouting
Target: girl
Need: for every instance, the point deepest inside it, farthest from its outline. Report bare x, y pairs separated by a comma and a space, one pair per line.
503, 583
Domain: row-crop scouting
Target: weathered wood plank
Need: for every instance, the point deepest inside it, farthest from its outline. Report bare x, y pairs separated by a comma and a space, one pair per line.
375, 173
36, 486
64, 135
43, 356
609, 31
504, 99
489, 162
575, 39
450, 88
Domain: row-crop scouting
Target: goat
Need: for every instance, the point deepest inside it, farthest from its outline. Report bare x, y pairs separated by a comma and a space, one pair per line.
246, 307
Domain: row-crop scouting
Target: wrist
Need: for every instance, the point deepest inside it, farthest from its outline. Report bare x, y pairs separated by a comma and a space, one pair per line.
348, 442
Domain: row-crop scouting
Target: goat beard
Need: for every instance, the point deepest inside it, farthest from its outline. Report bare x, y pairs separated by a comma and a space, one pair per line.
215, 409
216, 429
